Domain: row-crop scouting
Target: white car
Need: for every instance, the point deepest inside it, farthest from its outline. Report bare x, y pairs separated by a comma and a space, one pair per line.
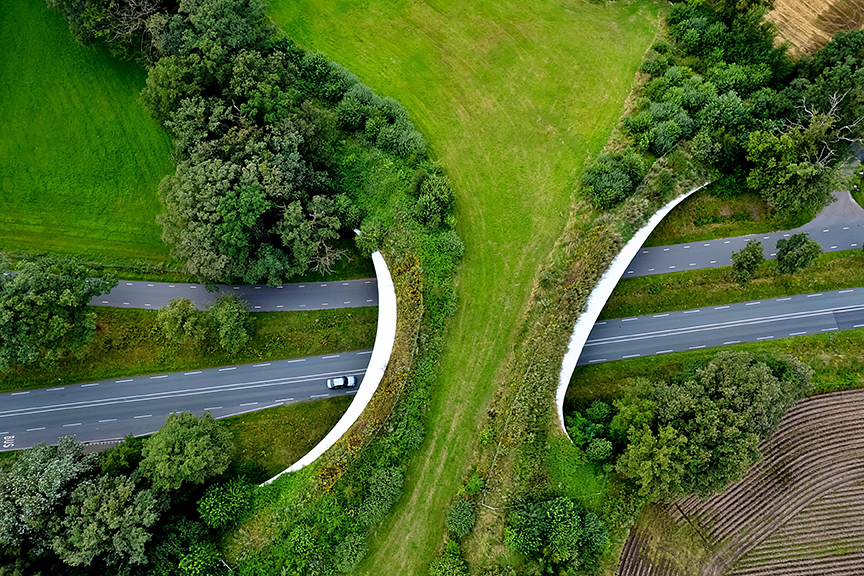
342, 382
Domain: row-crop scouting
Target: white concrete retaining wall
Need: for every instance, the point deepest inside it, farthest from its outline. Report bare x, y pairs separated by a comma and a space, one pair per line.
384, 340
600, 295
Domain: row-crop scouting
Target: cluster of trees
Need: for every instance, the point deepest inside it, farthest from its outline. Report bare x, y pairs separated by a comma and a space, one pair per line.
701, 430
129, 510
746, 108
227, 321
793, 253
258, 125
43, 311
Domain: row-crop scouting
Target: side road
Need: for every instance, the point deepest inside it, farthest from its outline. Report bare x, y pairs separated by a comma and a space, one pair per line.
261, 298
108, 410
839, 226
724, 325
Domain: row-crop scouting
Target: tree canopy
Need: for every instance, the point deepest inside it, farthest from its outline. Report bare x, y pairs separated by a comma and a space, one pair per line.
43, 310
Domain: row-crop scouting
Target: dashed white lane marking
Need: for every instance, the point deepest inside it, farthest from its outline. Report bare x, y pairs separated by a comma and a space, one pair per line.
279, 306
597, 360
697, 347
192, 286
368, 300
128, 284
752, 303
644, 251
150, 285
170, 286
226, 369
87, 385
664, 351
650, 269
731, 342
813, 295
19, 393
323, 285
319, 396
143, 416
671, 267
236, 287
212, 408
302, 286
726, 242
249, 404
773, 254
104, 301
785, 235
52, 389
706, 244
257, 307
261, 365
364, 352
845, 291
845, 227
783, 299
329, 357
828, 329
344, 283
765, 338
146, 304
631, 356
692, 264
857, 325
798, 333
158, 377
125, 303
713, 262
660, 315
257, 287
766, 237
720, 307
853, 245
832, 247
691, 311
629, 271
325, 304
346, 302
71, 425
825, 230
35, 429
292, 361
123, 381
107, 420
368, 282
665, 249
192, 373
302, 305
283, 400
600, 323
279, 287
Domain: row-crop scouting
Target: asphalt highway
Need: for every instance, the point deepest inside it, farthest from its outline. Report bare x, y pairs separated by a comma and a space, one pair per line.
261, 298
724, 325
110, 409
840, 226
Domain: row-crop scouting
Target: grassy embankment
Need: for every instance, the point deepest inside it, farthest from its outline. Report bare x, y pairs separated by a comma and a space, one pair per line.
130, 342
80, 159
705, 217
715, 286
513, 99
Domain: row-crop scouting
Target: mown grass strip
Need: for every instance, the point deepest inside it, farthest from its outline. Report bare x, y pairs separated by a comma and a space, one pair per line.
715, 286
513, 98
80, 159
131, 342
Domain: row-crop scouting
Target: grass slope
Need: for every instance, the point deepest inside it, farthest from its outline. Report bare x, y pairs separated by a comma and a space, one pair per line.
80, 159
513, 98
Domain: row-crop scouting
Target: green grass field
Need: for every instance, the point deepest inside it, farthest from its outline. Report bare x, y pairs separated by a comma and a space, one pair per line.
513, 98
80, 159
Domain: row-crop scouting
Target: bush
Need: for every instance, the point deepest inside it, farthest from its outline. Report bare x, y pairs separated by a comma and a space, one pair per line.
233, 323
599, 412
385, 488
371, 237
746, 261
599, 450
224, 504
350, 552
448, 565
796, 252
123, 458
610, 179
435, 199
461, 518
202, 560
181, 320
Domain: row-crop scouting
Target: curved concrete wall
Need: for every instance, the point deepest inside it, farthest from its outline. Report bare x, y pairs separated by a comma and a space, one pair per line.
600, 295
384, 340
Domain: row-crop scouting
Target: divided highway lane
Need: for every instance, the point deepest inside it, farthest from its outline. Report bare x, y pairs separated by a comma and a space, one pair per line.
109, 410
724, 325
261, 298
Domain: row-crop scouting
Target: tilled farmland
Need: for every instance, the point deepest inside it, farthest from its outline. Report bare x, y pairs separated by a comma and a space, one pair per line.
809, 24
799, 512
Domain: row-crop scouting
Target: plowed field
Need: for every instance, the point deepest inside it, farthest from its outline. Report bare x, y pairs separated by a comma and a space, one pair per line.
808, 24
799, 512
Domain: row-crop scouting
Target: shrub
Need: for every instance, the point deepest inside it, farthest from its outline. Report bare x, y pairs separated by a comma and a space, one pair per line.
448, 565
474, 485
224, 504
371, 237
796, 252
123, 458
746, 261
233, 323
385, 488
599, 450
599, 412
181, 320
202, 560
435, 200
461, 518
610, 179
350, 552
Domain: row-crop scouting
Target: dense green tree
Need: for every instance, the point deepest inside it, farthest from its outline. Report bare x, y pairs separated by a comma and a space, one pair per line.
43, 310
796, 252
233, 322
697, 435
109, 518
461, 518
181, 320
611, 178
37, 487
746, 261
203, 559
124, 458
224, 504
599, 450
186, 450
